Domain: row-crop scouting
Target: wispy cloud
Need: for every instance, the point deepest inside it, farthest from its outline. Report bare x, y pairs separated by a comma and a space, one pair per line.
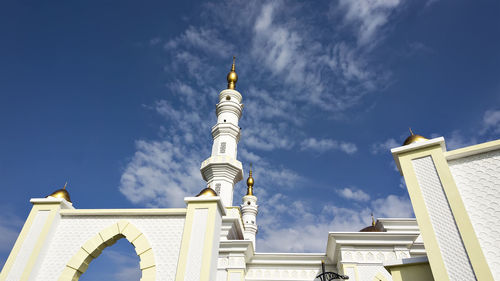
323, 145
368, 17
491, 122
202, 39
10, 226
291, 70
458, 140
384, 147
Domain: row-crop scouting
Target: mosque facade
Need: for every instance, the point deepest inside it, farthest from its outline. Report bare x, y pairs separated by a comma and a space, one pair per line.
455, 235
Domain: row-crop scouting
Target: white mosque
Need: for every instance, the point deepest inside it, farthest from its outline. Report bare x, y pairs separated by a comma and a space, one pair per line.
455, 235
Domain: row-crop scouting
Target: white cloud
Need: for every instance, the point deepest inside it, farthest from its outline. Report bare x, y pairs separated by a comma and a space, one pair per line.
162, 173
368, 17
393, 206
284, 223
458, 140
491, 121
353, 194
125, 264
384, 147
9, 234
323, 145
430, 3
294, 72
203, 39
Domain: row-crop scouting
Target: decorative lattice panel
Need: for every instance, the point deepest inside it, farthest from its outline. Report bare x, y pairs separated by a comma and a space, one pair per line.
452, 248
163, 233
478, 181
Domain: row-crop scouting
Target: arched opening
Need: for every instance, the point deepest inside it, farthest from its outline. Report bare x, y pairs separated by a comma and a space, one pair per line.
116, 263
80, 261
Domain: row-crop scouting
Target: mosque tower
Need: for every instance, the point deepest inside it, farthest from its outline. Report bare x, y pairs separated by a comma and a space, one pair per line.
249, 210
222, 170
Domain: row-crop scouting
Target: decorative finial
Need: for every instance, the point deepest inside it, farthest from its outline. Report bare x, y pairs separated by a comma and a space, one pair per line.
61, 193
250, 182
373, 220
413, 138
232, 77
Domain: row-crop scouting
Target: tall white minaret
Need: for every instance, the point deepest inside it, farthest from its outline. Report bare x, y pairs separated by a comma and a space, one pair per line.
249, 210
221, 170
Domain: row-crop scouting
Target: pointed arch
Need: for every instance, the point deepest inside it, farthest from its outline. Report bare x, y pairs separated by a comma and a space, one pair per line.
79, 263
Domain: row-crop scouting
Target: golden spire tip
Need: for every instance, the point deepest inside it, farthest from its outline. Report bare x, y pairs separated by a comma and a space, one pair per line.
373, 220
250, 182
64, 187
411, 132
232, 77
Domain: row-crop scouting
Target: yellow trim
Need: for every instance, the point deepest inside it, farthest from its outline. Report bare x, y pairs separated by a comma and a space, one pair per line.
464, 224
411, 272
208, 244
41, 241
229, 271
53, 208
19, 242
186, 237
93, 247
465, 228
379, 277
424, 222
353, 266
473, 149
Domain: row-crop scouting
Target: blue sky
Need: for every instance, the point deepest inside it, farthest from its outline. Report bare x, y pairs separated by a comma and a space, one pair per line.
118, 99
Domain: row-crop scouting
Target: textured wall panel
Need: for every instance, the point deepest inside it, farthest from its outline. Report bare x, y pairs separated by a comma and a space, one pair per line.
196, 245
452, 248
282, 272
163, 233
478, 181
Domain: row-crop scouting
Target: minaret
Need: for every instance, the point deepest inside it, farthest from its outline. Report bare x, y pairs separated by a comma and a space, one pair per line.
249, 210
221, 170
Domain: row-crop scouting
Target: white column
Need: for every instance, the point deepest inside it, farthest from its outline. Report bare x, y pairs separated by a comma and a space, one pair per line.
249, 210
200, 240
222, 170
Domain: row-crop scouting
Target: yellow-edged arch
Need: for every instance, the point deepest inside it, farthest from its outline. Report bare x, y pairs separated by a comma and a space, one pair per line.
79, 263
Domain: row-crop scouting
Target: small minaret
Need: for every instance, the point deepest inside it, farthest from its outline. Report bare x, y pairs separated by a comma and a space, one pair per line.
222, 170
249, 210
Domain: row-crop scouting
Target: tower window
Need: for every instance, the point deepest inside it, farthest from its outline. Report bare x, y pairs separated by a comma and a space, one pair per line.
224, 120
228, 98
222, 147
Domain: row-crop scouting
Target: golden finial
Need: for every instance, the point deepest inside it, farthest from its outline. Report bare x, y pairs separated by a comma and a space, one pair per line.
61, 193
413, 138
250, 182
373, 220
232, 77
